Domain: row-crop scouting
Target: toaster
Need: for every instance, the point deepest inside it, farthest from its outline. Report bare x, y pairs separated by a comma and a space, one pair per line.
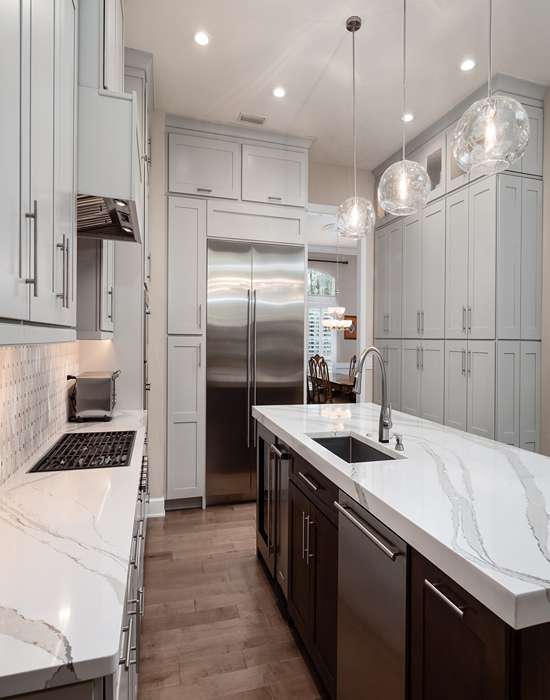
93, 396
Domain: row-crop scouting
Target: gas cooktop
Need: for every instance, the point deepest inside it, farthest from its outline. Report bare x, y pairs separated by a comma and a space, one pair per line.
88, 451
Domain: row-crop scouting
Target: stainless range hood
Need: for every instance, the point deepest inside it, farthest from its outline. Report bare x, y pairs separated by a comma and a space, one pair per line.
105, 217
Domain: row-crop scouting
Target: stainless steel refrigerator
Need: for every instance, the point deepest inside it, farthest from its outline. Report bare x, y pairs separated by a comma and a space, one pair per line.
254, 354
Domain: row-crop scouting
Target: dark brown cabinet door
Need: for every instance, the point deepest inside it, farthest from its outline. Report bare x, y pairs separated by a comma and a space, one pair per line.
299, 576
459, 649
323, 548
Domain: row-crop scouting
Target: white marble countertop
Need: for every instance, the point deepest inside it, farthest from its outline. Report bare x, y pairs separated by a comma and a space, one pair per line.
65, 548
476, 508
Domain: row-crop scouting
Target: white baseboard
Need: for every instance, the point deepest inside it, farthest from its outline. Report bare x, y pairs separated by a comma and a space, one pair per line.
156, 508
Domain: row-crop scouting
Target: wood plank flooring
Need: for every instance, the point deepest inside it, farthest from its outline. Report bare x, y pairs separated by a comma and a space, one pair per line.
211, 627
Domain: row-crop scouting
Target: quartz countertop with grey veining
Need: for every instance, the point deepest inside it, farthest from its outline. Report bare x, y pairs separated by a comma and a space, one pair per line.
478, 509
65, 548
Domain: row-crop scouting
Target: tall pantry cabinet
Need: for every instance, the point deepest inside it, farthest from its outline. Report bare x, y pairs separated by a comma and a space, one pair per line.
471, 296
38, 41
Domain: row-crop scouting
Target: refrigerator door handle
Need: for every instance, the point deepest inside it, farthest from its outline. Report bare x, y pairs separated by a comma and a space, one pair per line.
248, 369
254, 360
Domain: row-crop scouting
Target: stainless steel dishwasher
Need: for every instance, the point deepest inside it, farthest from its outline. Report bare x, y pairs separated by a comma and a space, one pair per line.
372, 606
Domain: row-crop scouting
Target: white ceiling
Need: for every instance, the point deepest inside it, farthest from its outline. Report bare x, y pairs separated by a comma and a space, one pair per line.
303, 45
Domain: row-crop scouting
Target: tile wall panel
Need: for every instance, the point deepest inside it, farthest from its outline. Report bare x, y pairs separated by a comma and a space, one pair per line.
33, 399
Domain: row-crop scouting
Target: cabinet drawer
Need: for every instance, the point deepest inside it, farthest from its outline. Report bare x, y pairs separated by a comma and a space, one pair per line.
203, 166
317, 487
274, 175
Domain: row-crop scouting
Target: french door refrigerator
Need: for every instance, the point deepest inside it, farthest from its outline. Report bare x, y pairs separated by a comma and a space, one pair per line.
254, 354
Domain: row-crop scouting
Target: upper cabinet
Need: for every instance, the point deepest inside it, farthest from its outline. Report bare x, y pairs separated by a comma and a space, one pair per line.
204, 166
37, 121
113, 45
531, 162
433, 158
388, 274
454, 175
275, 175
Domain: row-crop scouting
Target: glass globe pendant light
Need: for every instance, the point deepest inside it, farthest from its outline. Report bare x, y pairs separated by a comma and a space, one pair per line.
493, 132
405, 186
355, 217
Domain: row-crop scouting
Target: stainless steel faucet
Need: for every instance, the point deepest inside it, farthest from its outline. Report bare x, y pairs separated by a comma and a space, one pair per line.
384, 424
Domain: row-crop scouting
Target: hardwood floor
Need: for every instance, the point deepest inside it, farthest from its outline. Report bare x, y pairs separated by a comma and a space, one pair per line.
211, 627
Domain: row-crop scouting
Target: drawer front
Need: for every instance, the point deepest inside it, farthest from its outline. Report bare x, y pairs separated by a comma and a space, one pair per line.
203, 166
317, 487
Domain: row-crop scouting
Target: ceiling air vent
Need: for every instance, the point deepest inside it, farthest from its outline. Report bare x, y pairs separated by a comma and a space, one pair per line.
251, 119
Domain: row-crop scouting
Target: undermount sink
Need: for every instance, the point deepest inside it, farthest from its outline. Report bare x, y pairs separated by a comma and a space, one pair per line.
352, 450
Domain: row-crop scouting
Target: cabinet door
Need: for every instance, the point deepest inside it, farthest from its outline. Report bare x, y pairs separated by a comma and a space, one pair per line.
456, 265
456, 384
185, 468
458, 647
380, 265
14, 292
530, 396
274, 175
434, 160
204, 166
432, 364
509, 263
481, 266
394, 279
299, 574
64, 158
481, 388
411, 379
508, 381
113, 45
412, 276
391, 352
531, 259
531, 162
454, 175
186, 266
106, 312
45, 259
432, 320
323, 551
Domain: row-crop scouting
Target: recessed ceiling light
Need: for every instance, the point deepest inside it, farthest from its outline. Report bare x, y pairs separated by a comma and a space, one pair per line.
279, 92
467, 64
202, 38
407, 117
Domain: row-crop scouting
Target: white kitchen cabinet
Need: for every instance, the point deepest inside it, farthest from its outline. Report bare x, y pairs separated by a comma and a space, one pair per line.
391, 352
186, 266
531, 259
185, 475
199, 165
456, 384
113, 45
530, 396
14, 238
456, 278
388, 276
470, 386
412, 275
531, 162
433, 158
275, 175
509, 244
454, 175
95, 318
481, 387
107, 275
423, 379
508, 382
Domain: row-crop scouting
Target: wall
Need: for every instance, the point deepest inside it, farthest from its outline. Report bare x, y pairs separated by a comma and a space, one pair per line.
545, 349
33, 399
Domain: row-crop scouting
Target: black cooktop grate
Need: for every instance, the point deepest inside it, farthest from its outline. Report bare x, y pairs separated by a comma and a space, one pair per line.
88, 451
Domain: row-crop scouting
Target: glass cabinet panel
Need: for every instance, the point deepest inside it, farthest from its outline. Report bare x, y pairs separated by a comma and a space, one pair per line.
456, 177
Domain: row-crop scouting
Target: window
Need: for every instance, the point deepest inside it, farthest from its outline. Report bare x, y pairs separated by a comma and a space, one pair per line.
321, 287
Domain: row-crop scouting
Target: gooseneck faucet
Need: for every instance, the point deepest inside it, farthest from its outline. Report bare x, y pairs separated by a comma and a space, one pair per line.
384, 424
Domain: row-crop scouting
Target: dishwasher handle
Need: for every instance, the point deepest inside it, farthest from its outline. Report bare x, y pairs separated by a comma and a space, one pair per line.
389, 549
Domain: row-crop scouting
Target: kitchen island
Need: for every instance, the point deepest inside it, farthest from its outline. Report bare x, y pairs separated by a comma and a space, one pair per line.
472, 512
68, 539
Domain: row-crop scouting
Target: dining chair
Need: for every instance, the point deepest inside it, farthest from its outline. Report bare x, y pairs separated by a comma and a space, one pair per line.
352, 365
316, 380
326, 393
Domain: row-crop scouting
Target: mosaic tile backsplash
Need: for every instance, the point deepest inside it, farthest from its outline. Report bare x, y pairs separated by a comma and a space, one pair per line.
33, 399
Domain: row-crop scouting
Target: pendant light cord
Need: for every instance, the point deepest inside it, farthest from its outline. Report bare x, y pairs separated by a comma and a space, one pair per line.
354, 118
490, 48
404, 73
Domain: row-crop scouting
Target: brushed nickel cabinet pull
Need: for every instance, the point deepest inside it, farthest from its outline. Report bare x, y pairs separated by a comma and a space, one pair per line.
275, 199
434, 588
34, 216
310, 483
206, 190
389, 549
